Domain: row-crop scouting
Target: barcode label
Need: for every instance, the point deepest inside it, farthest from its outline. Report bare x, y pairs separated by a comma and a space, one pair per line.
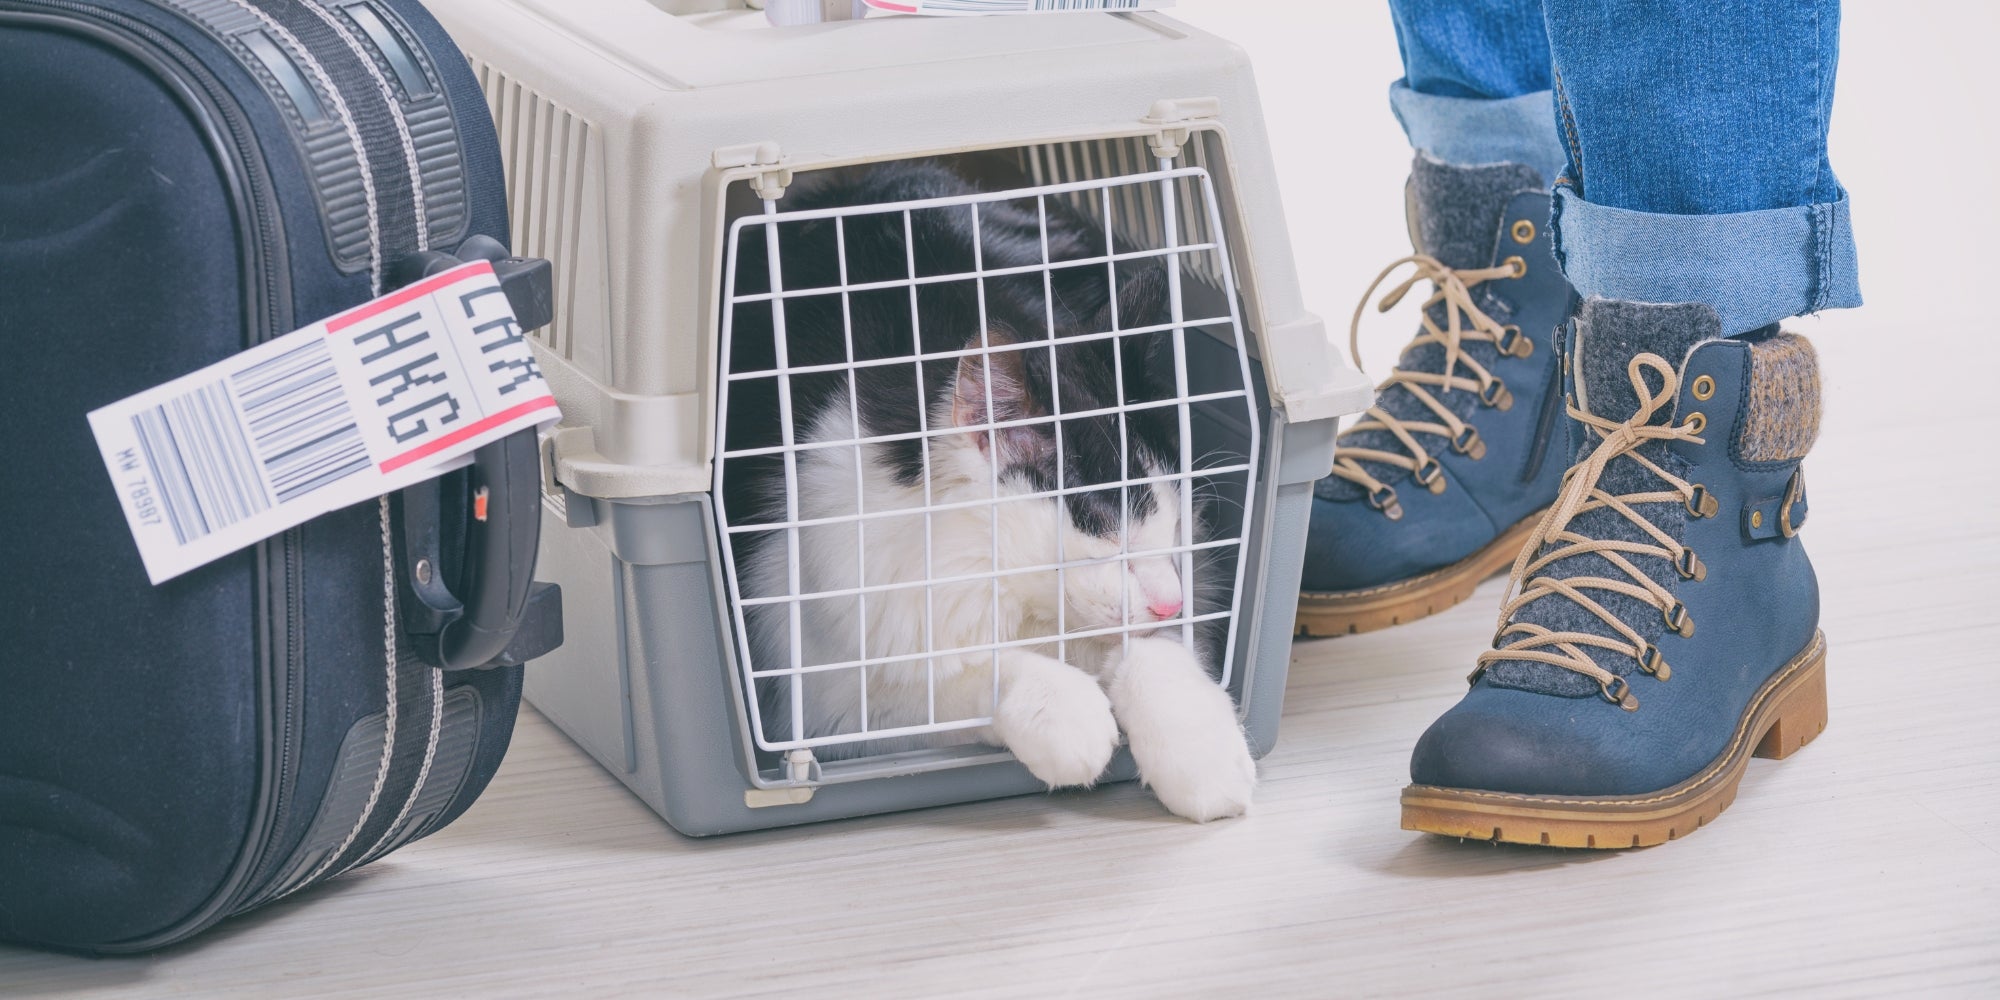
196, 450
367, 402
305, 433
975, 7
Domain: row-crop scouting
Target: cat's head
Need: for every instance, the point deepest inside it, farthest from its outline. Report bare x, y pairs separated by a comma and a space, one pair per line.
1118, 522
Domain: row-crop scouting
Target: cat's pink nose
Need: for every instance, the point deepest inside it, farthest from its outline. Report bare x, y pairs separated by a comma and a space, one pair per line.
1165, 609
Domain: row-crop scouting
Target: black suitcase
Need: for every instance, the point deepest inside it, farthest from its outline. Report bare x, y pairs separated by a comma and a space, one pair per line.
180, 180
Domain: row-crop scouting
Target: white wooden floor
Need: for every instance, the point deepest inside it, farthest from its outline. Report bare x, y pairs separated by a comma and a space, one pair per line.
1868, 864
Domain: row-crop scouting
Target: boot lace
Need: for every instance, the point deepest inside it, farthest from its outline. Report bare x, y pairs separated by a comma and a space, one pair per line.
1580, 493
1464, 322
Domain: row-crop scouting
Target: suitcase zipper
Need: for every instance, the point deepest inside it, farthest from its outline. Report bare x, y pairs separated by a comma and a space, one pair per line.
239, 155
288, 702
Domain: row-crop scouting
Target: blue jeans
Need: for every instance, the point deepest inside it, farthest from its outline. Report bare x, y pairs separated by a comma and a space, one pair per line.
1689, 136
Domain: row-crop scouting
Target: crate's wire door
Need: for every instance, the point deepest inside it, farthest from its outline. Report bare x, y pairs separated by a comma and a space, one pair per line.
883, 561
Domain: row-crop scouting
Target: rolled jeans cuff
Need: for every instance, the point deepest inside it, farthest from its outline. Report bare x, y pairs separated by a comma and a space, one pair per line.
1470, 130
1755, 268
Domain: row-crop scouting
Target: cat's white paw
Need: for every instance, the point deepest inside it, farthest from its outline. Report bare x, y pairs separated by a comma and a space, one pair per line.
1183, 731
1057, 721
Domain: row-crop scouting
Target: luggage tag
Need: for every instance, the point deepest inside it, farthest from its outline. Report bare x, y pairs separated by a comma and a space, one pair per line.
963, 8
364, 403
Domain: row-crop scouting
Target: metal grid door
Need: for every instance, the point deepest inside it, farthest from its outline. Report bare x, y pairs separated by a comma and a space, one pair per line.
1210, 380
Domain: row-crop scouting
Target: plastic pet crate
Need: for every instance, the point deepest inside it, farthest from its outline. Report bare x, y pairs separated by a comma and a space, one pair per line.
650, 146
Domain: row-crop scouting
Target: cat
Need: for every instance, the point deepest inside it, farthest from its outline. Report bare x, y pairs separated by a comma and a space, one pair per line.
1060, 705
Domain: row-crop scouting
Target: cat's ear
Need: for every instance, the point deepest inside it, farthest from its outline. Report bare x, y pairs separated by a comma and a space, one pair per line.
998, 376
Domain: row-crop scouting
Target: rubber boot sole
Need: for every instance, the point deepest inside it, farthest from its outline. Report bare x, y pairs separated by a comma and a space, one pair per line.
1344, 612
1788, 711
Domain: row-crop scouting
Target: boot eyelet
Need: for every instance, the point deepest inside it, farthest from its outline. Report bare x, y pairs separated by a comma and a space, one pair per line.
1430, 475
1704, 388
1383, 498
1515, 343
1702, 503
1495, 394
1695, 423
1619, 693
1652, 662
1524, 231
1690, 566
1469, 443
1518, 264
1680, 621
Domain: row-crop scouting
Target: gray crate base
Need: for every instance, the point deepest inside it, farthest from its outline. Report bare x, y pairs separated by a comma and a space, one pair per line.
643, 679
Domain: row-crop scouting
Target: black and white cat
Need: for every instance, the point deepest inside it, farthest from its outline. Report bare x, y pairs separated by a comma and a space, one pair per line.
1061, 717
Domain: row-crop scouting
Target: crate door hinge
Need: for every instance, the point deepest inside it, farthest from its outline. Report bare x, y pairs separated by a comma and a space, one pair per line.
773, 176
800, 766
1175, 119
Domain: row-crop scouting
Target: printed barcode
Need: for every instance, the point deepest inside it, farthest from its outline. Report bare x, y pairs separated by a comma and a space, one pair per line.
200, 462
305, 434
295, 425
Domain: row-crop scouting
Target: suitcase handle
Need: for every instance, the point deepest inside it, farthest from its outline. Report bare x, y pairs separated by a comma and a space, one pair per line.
505, 617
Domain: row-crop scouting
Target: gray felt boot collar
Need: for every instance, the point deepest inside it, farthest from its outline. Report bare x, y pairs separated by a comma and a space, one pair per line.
1455, 210
1611, 332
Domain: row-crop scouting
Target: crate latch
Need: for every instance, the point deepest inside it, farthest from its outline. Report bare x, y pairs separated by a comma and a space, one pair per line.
1176, 118
773, 176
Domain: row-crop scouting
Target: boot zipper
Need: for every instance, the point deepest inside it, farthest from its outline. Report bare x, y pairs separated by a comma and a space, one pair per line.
1545, 425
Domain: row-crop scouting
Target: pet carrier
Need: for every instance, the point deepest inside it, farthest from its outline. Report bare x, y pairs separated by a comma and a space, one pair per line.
656, 150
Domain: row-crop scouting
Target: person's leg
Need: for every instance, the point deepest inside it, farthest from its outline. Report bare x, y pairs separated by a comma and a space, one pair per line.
1695, 135
1663, 621
1476, 82
1435, 486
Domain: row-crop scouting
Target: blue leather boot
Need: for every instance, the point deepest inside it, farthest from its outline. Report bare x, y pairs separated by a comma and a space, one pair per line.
1664, 623
1437, 485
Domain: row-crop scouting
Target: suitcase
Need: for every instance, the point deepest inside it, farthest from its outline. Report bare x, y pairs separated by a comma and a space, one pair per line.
644, 137
180, 180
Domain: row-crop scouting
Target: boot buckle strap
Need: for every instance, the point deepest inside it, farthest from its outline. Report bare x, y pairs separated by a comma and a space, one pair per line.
1779, 516
1794, 515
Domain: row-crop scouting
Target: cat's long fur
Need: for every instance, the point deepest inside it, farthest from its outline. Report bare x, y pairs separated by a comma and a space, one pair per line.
1059, 716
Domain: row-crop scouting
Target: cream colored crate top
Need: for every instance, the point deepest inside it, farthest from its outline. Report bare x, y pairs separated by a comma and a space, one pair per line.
622, 125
